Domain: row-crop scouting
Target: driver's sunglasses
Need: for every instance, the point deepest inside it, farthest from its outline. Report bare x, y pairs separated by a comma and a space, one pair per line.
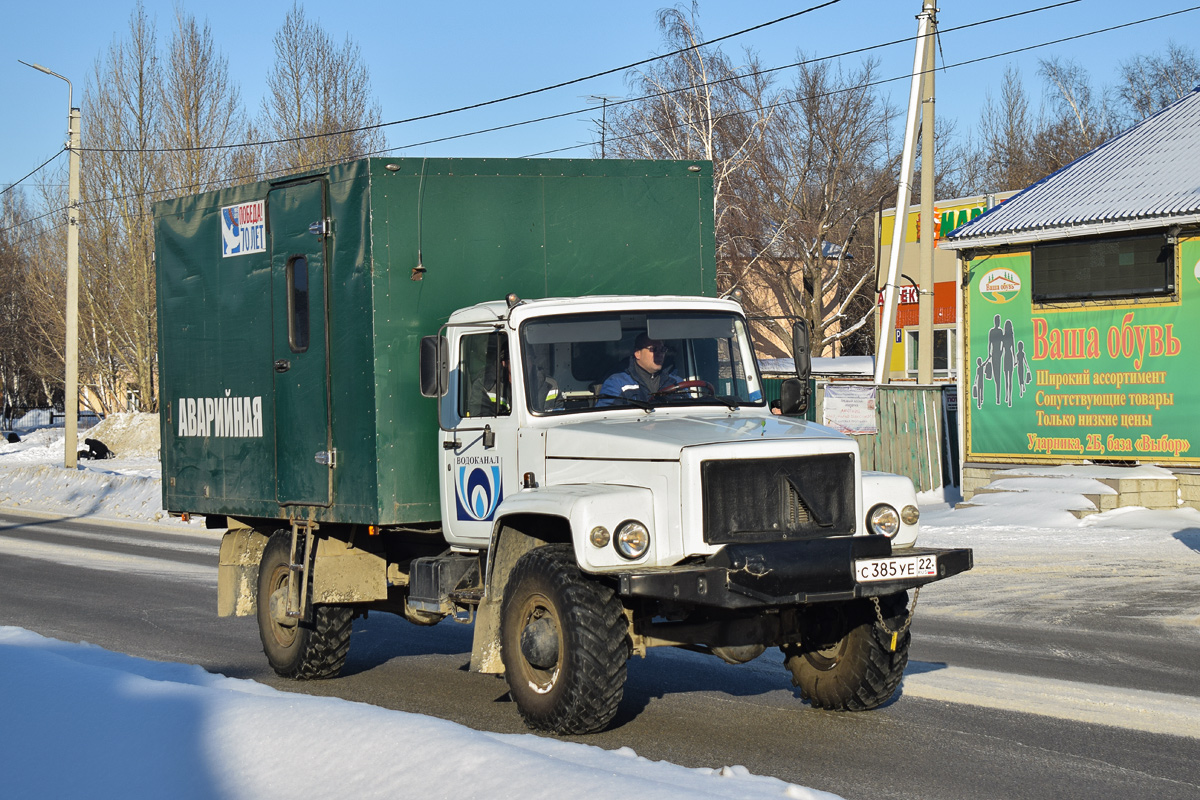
657, 348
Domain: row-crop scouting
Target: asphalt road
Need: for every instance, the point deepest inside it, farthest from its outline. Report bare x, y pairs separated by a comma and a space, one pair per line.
990, 708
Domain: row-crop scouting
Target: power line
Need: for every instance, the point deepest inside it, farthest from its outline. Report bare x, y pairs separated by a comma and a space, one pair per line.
856, 51
482, 104
14, 185
898, 77
560, 115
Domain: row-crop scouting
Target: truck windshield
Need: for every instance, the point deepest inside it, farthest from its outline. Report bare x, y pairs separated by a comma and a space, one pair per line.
645, 360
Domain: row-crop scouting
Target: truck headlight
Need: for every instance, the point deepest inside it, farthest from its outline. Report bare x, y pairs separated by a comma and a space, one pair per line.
910, 515
884, 520
632, 539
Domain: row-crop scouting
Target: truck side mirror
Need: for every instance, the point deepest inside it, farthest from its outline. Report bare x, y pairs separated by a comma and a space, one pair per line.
793, 394
435, 367
793, 397
800, 348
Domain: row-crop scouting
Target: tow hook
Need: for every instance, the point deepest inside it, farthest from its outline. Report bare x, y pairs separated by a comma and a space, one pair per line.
896, 634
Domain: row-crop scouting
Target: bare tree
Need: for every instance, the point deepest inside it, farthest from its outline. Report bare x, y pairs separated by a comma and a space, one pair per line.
1006, 129
698, 105
318, 103
42, 244
1149, 83
248, 163
829, 161
955, 166
794, 174
201, 111
1076, 119
24, 358
122, 174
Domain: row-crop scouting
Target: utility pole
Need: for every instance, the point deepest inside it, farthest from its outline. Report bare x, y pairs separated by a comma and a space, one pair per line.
928, 223
71, 349
887, 325
604, 99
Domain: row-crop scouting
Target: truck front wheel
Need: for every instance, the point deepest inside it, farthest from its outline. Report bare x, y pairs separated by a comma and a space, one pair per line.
295, 648
846, 661
564, 644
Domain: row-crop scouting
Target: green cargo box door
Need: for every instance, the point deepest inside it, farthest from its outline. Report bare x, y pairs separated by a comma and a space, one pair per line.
297, 220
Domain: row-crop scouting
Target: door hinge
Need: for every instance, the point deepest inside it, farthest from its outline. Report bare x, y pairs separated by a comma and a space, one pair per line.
320, 227
327, 457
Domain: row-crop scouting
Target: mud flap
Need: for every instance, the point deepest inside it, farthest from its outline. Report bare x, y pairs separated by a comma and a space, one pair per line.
237, 572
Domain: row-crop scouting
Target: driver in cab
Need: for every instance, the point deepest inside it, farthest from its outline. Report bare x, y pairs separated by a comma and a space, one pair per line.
643, 377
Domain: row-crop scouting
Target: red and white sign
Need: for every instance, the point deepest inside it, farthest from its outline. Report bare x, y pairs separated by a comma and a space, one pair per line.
908, 294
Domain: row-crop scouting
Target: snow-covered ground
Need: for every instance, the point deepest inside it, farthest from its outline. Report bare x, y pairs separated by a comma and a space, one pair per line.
1035, 563
83, 722
80, 721
133, 728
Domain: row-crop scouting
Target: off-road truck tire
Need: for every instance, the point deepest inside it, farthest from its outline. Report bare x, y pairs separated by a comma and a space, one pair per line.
297, 649
564, 642
847, 663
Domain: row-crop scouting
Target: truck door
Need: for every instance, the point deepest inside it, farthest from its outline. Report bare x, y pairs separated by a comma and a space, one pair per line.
303, 456
479, 451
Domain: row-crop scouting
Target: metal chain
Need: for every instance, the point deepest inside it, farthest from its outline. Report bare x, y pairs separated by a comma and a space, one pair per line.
908, 621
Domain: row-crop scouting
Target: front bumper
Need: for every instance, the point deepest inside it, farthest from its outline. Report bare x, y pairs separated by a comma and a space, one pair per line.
785, 573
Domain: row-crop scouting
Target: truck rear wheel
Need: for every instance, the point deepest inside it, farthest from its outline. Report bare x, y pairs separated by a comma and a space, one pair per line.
564, 644
847, 662
297, 649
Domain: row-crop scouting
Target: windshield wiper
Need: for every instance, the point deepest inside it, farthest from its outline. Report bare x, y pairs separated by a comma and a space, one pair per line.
708, 399
642, 404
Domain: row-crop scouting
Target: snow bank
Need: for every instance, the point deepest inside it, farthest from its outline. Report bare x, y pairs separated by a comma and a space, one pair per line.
128, 487
80, 721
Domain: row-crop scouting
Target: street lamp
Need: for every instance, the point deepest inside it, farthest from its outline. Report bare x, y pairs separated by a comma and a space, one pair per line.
71, 350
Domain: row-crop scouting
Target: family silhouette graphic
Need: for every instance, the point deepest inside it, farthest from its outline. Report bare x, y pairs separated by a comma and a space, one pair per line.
1005, 365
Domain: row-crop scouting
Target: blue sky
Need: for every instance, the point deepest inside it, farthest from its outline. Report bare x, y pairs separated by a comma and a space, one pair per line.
427, 57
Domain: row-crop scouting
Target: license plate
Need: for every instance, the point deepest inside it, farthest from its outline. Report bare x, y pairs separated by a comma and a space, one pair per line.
895, 569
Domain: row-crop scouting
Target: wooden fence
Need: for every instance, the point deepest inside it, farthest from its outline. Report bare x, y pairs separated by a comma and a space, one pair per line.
917, 434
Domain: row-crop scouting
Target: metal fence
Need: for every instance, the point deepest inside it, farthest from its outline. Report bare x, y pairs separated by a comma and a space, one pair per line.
19, 418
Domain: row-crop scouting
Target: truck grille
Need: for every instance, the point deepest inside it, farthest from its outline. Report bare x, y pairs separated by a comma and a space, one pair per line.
771, 500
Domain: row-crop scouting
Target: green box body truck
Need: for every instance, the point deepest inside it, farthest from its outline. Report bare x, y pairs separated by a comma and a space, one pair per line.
503, 392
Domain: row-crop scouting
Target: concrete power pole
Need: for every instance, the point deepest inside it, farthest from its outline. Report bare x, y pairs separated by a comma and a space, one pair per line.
71, 349
71, 394
928, 223
887, 325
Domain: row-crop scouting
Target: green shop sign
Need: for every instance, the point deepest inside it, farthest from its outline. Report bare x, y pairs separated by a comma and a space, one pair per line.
1058, 383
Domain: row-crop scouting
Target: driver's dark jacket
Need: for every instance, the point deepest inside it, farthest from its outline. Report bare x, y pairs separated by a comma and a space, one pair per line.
634, 383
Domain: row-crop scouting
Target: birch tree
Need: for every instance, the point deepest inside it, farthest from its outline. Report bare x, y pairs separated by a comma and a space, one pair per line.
829, 162
22, 351
697, 104
201, 112
795, 173
1152, 82
122, 174
1077, 117
318, 107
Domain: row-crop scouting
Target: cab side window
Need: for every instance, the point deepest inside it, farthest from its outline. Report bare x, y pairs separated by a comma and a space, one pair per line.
486, 387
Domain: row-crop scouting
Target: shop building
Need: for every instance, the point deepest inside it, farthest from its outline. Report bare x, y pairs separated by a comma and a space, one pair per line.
1081, 311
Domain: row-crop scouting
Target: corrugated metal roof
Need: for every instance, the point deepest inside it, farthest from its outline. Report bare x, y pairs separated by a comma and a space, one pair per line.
1147, 177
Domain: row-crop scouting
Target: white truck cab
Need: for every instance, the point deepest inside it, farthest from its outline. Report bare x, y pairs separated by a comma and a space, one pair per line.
542, 439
